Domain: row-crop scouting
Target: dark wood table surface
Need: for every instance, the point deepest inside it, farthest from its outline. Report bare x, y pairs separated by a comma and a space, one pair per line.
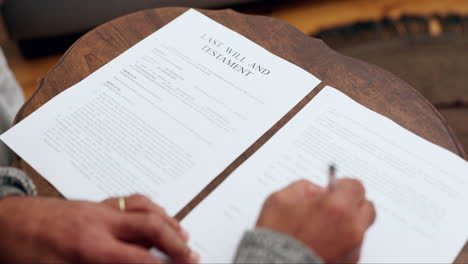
369, 85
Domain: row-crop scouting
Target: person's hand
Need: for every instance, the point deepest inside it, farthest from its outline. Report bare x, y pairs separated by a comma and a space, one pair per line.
330, 222
48, 230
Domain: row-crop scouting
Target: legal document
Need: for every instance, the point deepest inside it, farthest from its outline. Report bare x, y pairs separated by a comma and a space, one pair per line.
419, 189
162, 119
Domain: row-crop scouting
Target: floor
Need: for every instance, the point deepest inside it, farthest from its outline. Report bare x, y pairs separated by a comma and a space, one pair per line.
312, 16
27, 72
308, 16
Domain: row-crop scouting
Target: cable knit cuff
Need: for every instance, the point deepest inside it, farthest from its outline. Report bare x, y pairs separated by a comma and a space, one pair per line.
266, 246
15, 182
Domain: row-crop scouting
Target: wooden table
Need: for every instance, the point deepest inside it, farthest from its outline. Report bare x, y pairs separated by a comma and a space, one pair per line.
367, 84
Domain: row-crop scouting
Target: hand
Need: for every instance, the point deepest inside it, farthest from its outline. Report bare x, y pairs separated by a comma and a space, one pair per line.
330, 222
48, 230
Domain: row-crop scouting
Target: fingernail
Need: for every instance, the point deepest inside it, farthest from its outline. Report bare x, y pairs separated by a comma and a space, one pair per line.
194, 257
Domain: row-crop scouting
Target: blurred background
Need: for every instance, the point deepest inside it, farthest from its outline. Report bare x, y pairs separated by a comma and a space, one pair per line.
424, 42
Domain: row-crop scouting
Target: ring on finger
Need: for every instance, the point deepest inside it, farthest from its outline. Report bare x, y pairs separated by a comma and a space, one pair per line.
122, 204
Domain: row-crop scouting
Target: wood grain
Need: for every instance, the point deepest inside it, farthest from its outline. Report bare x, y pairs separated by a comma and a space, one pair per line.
367, 84
313, 16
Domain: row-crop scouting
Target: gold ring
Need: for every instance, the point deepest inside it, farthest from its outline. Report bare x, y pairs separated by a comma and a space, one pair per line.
122, 204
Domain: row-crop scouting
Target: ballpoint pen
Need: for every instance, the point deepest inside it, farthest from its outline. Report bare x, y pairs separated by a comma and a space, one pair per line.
331, 177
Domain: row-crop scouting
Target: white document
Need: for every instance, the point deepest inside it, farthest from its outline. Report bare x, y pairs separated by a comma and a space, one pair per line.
164, 118
419, 189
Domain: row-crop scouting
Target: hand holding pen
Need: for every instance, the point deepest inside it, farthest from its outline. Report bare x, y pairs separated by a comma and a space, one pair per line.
337, 215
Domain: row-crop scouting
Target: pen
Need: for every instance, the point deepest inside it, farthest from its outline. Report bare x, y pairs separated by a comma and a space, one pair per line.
331, 177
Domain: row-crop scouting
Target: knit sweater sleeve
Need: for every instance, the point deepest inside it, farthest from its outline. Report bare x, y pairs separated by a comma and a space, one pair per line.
15, 182
266, 246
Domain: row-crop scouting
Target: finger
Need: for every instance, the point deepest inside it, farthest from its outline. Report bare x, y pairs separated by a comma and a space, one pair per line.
123, 253
368, 214
136, 203
302, 187
140, 203
350, 190
153, 229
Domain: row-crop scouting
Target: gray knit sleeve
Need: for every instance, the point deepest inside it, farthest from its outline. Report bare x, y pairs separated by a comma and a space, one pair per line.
266, 246
15, 182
